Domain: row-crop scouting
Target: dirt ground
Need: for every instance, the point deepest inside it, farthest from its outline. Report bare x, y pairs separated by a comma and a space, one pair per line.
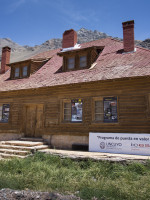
8, 194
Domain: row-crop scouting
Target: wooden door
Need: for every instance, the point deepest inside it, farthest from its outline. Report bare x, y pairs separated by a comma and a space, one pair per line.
33, 122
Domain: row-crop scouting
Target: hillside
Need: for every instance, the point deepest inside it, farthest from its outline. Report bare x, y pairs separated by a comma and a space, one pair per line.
24, 52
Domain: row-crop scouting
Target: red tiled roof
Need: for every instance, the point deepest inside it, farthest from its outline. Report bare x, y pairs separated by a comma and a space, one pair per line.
111, 64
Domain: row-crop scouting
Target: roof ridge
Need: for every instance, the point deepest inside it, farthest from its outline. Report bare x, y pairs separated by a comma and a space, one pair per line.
51, 50
142, 48
117, 40
95, 40
90, 42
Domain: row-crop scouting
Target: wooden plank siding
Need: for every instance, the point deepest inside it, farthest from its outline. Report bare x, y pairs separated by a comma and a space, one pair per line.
133, 107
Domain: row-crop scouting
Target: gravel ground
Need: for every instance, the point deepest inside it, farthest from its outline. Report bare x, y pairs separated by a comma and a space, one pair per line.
8, 194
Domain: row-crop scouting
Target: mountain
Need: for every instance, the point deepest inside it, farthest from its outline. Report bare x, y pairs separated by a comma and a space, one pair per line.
24, 52
145, 43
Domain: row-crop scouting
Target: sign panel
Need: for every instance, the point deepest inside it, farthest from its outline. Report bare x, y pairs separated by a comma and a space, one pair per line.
76, 110
110, 109
125, 143
5, 113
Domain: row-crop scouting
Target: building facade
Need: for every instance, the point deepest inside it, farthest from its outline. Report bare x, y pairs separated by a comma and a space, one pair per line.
63, 94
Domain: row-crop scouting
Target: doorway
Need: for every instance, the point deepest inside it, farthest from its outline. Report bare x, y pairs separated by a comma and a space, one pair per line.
33, 120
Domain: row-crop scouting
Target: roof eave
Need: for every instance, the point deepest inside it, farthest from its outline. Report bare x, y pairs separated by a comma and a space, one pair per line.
81, 49
18, 62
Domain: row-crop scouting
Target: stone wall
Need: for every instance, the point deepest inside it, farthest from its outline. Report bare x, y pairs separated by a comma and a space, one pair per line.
10, 136
65, 141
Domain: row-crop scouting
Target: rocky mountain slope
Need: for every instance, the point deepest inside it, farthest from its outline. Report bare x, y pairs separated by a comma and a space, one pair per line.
24, 52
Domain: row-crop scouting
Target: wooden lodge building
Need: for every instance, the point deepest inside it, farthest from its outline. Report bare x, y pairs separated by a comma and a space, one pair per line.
61, 95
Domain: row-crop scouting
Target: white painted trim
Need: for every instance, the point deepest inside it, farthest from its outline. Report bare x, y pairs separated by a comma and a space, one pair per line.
77, 46
130, 51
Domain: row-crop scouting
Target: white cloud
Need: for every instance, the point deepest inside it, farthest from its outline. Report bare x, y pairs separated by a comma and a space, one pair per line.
72, 14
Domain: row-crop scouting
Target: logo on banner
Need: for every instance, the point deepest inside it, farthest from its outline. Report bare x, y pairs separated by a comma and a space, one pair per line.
136, 145
102, 145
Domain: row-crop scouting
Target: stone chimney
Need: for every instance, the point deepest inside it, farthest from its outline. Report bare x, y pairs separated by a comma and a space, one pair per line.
5, 59
69, 39
128, 36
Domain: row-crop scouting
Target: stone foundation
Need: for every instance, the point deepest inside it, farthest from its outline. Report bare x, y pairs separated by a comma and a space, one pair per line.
10, 136
65, 141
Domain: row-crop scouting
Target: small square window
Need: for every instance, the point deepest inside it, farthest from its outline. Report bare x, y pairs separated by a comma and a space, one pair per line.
17, 71
71, 63
83, 61
25, 71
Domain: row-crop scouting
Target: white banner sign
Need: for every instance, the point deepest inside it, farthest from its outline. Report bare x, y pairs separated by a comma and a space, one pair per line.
126, 143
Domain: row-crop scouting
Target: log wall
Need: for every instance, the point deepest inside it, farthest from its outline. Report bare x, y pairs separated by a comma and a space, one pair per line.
133, 109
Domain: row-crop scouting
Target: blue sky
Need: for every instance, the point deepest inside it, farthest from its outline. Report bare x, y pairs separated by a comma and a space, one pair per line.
31, 22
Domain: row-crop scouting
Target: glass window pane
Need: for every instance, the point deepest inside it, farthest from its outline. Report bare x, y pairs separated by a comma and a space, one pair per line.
98, 103
98, 117
67, 111
25, 69
83, 61
67, 105
83, 58
67, 117
98, 109
17, 72
71, 63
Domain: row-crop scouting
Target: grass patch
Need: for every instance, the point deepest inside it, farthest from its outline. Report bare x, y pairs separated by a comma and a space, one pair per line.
86, 179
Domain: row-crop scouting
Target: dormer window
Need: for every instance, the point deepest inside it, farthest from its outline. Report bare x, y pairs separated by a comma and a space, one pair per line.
17, 70
25, 71
79, 59
71, 63
76, 62
83, 61
21, 72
